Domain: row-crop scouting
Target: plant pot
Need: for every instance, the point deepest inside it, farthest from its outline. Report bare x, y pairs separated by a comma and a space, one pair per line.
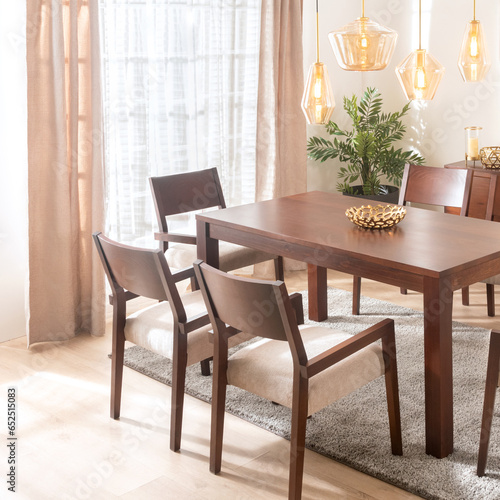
391, 194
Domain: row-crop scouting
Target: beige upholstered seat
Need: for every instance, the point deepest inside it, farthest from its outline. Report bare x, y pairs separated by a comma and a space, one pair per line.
152, 328
304, 369
266, 369
231, 256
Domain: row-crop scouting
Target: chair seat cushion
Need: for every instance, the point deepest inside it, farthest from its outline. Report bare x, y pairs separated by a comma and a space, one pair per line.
152, 328
231, 256
265, 368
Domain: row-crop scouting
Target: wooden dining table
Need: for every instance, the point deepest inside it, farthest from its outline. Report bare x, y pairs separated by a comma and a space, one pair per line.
430, 252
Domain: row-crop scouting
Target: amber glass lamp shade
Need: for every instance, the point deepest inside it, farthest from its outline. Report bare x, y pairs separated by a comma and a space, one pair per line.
473, 61
363, 45
419, 75
318, 102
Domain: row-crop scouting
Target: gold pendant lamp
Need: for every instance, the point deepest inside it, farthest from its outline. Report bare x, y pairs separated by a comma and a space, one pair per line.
473, 61
420, 73
318, 102
363, 45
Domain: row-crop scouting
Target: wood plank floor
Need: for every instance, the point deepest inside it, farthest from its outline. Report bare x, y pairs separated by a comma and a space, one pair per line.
68, 447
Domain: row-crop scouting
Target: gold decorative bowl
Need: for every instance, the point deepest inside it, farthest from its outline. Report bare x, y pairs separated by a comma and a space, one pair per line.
490, 157
376, 217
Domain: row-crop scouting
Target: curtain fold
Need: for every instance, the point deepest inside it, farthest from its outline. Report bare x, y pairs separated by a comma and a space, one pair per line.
281, 126
66, 293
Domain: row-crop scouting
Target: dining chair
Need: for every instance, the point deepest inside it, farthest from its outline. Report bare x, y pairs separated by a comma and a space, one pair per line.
193, 191
177, 327
493, 192
492, 381
304, 368
429, 186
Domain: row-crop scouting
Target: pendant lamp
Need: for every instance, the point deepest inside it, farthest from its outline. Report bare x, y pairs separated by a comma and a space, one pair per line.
318, 102
363, 45
473, 61
420, 73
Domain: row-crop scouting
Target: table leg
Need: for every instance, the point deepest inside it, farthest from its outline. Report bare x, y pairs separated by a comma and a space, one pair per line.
316, 277
207, 248
438, 301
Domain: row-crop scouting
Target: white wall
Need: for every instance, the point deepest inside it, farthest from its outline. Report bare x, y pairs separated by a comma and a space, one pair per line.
435, 128
13, 168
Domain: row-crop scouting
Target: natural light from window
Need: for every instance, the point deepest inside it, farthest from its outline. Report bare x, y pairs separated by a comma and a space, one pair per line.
180, 93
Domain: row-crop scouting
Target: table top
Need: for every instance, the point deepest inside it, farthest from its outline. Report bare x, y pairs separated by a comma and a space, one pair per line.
425, 242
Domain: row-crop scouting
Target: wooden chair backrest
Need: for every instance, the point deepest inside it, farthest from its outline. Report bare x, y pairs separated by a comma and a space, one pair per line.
436, 186
493, 194
186, 192
260, 308
140, 271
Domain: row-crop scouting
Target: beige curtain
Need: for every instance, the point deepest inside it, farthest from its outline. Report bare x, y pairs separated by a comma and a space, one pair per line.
281, 125
65, 180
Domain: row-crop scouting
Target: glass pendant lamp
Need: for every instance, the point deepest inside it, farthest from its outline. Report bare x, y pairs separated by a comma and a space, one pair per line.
318, 102
420, 73
363, 45
473, 61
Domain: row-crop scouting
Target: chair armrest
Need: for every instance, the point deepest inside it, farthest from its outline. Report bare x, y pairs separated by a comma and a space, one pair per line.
230, 332
348, 347
298, 306
194, 323
177, 238
183, 274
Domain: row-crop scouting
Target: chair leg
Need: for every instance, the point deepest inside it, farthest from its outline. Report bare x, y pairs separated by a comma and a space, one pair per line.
403, 291
490, 298
489, 400
298, 436
219, 385
298, 307
465, 296
356, 294
118, 350
179, 363
205, 367
392, 391
279, 269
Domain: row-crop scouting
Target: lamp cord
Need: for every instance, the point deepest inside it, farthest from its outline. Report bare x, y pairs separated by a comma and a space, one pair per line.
420, 24
363, 9
317, 32
474, 10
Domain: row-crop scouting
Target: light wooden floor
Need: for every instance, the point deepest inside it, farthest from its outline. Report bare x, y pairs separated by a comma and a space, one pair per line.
68, 447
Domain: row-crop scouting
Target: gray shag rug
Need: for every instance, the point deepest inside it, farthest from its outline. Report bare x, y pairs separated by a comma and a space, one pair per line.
355, 429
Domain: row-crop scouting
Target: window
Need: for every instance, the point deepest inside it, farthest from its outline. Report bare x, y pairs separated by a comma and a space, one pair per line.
180, 93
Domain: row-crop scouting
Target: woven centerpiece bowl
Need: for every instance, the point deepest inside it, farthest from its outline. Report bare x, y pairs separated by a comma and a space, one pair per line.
490, 157
376, 217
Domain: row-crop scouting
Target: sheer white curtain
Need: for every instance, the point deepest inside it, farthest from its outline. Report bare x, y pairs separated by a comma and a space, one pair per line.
180, 93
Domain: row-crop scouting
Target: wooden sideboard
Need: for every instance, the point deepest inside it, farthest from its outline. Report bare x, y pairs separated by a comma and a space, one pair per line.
484, 184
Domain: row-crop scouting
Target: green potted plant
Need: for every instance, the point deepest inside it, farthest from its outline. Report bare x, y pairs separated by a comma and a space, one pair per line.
368, 149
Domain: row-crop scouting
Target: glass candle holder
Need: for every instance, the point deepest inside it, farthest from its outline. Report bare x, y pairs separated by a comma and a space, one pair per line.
472, 147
